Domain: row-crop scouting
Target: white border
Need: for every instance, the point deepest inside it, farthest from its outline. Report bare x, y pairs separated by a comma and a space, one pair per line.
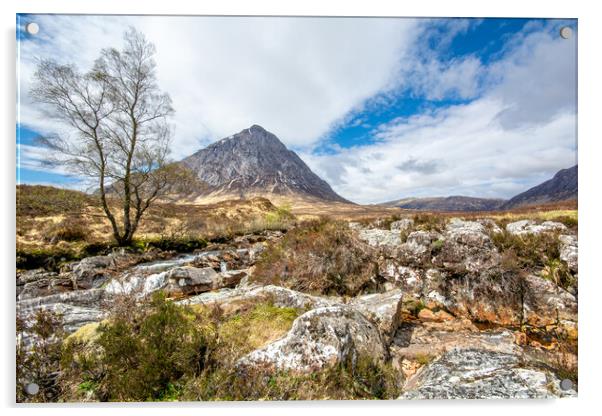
590, 160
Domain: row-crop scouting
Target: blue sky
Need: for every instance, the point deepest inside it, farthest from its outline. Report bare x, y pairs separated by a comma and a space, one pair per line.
381, 108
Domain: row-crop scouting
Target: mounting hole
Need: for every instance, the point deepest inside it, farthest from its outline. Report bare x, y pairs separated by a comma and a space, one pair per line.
32, 28
566, 384
32, 389
566, 32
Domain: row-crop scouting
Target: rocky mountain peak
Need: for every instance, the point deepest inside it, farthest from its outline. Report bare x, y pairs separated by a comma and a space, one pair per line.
255, 162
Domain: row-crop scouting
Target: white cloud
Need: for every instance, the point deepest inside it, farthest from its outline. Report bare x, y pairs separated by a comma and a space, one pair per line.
294, 76
517, 135
300, 78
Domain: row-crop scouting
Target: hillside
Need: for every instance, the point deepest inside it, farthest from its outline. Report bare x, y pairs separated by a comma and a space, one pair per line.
562, 187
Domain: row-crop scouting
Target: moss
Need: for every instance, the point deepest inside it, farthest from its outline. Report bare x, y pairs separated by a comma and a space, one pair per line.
85, 334
424, 359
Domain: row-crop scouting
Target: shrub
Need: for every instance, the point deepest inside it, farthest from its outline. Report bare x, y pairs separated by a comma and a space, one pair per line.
531, 250
145, 351
319, 257
69, 229
39, 362
38, 200
362, 379
558, 272
429, 222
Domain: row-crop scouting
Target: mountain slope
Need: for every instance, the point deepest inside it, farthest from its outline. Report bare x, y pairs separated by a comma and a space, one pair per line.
450, 203
255, 162
562, 187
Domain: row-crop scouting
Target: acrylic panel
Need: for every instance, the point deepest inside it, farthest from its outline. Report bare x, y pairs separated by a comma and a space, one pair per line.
295, 208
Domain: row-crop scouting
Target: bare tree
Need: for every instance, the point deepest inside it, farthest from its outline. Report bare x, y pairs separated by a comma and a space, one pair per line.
121, 138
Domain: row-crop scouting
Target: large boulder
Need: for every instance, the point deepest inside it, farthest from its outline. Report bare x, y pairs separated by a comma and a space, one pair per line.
482, 374
184, 281
92, 272
547, 303
384, 309
403, 225
321, 338
416, 250
531, 227
466, 246
380, 238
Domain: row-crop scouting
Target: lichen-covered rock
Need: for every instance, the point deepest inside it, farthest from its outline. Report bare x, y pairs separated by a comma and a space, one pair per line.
547, 303
481, 374
531, 227
382, 308
466, 246
231, 300
435, 338
417, 248
137, 284
190, 280
402, 225
380, 238
91, 272
569, 249
321, 338
76, 308
45, 287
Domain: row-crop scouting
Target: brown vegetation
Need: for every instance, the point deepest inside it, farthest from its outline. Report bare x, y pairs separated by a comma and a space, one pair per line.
318, 257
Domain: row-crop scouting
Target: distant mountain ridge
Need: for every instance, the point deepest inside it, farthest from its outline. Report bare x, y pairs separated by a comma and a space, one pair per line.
449, 203
255, 162
562, 187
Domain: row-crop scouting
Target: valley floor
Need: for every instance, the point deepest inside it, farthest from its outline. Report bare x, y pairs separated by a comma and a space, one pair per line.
283, 304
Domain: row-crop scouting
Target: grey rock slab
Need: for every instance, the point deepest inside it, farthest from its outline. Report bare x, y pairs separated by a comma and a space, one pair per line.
480, 374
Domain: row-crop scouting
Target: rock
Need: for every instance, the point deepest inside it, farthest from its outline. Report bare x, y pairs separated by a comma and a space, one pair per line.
467, 246
320, 338
45, 287
91, 272
380, 238
426, 315
402, 225
490, 225
77, 308
569, 251
233, 300
481, 374
229, 278
29, 276
417, 248
546, 303
531, 227
184, 281
137, 284
433, 339
382, 308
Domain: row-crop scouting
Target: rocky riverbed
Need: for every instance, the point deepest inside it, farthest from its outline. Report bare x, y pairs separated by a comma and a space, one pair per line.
447, 310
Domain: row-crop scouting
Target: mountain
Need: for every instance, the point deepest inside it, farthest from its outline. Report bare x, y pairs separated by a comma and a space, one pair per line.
450, 203
255, 162
562, 187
